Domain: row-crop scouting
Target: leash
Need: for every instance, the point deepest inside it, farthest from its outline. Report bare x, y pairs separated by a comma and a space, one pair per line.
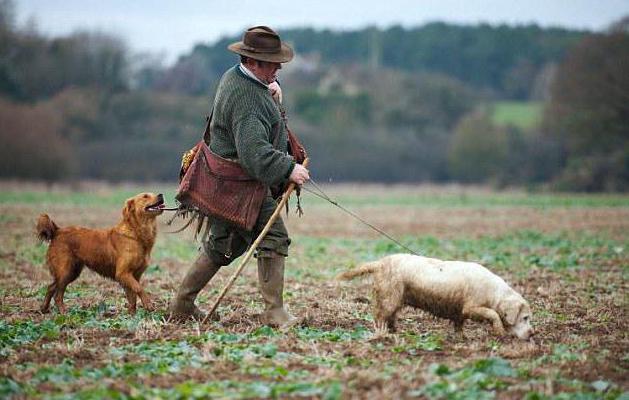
319, 192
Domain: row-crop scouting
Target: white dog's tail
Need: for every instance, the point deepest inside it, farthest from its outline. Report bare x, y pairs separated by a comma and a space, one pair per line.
364, 269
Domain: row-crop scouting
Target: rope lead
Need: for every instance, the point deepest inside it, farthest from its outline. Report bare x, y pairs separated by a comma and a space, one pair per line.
322, 195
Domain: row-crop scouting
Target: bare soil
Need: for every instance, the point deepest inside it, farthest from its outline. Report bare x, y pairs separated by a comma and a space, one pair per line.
584, 309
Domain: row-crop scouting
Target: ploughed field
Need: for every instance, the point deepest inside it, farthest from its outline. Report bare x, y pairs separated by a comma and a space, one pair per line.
568, 255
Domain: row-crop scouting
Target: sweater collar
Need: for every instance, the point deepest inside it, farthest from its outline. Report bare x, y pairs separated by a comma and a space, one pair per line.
247, 72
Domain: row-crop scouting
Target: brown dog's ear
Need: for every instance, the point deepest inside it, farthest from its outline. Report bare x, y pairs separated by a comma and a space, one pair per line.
510, 311
127, 211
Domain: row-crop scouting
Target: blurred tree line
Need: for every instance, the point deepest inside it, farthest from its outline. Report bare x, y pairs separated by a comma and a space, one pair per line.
503, 59
387, 105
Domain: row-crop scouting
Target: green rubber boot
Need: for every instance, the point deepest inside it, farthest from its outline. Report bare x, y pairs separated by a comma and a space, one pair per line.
182, 306
271, 283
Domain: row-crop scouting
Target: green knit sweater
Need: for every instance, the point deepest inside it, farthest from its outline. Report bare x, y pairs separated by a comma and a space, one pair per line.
244, 125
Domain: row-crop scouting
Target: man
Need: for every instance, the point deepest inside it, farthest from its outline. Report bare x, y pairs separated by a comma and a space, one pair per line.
247, 125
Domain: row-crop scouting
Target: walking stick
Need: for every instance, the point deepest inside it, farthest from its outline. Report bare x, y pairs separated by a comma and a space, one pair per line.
253, 246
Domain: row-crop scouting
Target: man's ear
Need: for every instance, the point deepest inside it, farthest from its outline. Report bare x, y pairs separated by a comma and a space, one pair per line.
510, 310
128, 210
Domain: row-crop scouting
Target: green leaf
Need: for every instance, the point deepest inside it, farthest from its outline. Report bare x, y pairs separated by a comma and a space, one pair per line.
439, 369
495, 366
601, 386
263, 331
9, 387
333, 392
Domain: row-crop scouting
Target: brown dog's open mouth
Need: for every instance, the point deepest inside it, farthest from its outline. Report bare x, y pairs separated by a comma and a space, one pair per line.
158, 206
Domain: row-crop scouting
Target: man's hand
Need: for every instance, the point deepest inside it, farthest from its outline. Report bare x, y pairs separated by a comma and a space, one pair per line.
300, 175
276, 91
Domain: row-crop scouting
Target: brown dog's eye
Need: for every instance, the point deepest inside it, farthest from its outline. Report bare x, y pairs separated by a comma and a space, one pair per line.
146, 196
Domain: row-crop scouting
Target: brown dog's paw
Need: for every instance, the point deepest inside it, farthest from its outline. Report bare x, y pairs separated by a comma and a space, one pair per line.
147, 303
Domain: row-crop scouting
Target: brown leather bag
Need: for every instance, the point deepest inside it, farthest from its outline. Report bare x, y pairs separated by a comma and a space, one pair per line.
220, 188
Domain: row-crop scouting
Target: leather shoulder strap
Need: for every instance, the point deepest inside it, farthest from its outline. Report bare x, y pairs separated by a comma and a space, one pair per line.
207, 134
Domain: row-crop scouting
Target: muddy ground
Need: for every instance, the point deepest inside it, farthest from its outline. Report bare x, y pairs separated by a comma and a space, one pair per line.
570, 263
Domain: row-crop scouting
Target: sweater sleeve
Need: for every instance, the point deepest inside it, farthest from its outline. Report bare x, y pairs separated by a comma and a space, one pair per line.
257, 155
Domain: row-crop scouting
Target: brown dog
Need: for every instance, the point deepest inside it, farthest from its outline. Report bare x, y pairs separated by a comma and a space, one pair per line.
120, 253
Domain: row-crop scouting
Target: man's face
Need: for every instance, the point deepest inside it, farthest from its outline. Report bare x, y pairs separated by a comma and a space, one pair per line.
265, 71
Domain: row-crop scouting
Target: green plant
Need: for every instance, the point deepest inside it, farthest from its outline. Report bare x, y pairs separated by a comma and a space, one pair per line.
476, 380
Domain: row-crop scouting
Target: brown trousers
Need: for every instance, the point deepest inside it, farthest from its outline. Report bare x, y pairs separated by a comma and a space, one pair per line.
225, 243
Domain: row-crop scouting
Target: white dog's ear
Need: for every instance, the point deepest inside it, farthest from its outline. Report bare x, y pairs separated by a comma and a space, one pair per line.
510, 310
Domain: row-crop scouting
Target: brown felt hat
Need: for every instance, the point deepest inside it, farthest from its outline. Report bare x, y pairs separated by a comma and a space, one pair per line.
264, 44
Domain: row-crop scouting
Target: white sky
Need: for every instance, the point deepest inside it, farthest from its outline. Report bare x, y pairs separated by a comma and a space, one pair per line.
173, 27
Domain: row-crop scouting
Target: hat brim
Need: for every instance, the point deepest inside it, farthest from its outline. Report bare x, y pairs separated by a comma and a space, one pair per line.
283, 56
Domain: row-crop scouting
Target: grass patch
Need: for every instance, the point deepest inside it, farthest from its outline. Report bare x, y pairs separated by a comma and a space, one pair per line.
521, 114
109, 197
174, 247
243, 390
423, 342
335, 335
516, 251
394, 196
477, 380
20, 333
468, 199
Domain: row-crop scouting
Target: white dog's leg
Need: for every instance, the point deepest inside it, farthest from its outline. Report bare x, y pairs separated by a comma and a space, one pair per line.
484, 313
380, 328
386, 305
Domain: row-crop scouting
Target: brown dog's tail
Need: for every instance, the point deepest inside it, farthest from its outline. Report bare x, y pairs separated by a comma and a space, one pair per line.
364, 269
46, 228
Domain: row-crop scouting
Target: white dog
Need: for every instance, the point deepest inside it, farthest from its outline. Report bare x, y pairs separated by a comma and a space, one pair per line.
454, 290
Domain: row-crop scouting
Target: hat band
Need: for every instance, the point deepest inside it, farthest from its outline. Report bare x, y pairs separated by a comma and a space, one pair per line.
261, 50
